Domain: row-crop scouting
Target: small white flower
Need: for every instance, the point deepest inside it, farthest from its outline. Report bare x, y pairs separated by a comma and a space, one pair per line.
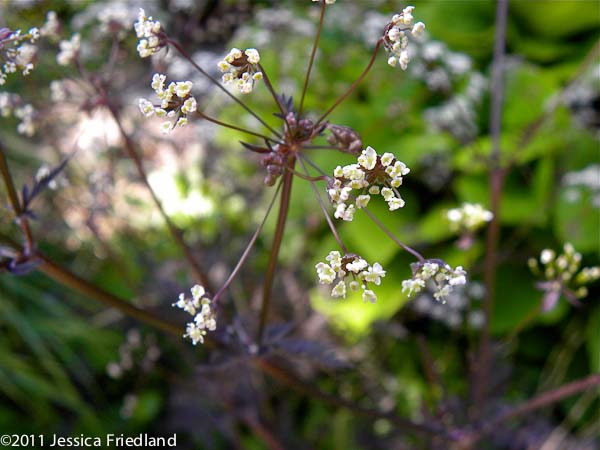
68, 50
339, 290
418, 29
369, 296
189, 106
183, 88
325, 273
547, 255
368, 158
166, 127
146, 107
158, 82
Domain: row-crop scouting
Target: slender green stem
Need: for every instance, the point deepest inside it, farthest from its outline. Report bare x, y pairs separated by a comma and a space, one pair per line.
496, 185
305, 176
271, 90
284, 205
173, 230
68, 278
235, 127
405, 247
15, 203
221, 87
324, 209
374, 219
353, 86
312, 57
246, 253
9, 183
541, 401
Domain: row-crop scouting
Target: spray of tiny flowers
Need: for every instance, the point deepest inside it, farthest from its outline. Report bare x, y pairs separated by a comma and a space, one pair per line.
562, 275
372, 175
176, 101
349, 190
438, 274
198, 306
341, 268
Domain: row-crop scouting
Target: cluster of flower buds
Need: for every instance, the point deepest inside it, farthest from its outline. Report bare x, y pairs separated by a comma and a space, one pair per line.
241, 68
273, 162
469, 217
442, 277
11, 104
68, 50
339, 267
150, 33
395, 38
344, 139
562, 276
17, 52
372, 175
199, 306
176, 101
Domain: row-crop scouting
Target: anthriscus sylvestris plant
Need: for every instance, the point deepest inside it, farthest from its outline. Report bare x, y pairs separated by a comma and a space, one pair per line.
284, 155
344, 192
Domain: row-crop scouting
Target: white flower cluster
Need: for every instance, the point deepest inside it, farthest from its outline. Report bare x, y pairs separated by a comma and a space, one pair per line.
443, 277
562, 273
469, 217
68, 50
199, 306
11, 104
148, 30
176, 101
373, 175
241, 68
16, 52
328, 2
51, 27
115, 19
395, 39
338, 267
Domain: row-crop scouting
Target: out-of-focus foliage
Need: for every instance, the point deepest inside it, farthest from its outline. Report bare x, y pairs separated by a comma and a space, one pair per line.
57, 347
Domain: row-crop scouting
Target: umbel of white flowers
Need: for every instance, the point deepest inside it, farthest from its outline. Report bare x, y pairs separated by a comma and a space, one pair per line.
175, 101
372, 175
340, 268
469, 217
440, 275
561, 275
395, 39
241, 69
199, 306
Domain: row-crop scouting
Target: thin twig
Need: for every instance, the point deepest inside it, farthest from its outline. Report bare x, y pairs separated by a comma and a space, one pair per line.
541, 401
496, 186
67, 278
220, 86
175, 232
284, 204
235, 127
353, 86
246, 253
312, 57
324, 209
